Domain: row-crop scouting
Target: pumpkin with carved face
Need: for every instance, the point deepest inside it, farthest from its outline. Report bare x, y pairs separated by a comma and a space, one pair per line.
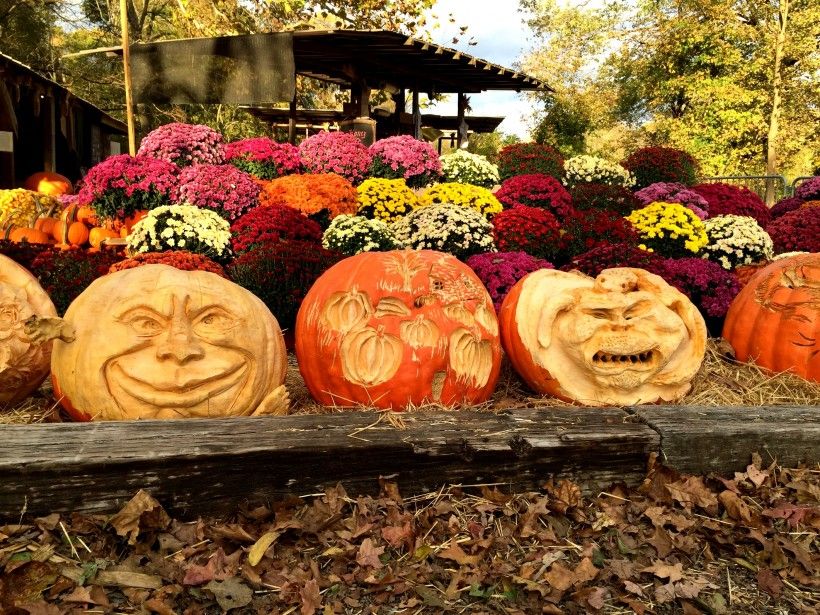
23, 362
390, 329
626, 337
155, 342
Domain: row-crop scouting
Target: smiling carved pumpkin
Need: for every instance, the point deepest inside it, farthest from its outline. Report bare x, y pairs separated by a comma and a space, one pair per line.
626, 337
390, 329
157, 342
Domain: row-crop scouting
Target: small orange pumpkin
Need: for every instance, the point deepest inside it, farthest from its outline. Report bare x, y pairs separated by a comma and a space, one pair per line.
52, 184
46, 224
24, 234
86, 215
775, 319
98, 234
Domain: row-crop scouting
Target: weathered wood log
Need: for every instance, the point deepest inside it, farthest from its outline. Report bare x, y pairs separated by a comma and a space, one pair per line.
213, 465
722, 439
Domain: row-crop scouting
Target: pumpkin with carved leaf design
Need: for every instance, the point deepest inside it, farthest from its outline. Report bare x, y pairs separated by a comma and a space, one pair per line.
775, 320
626, 337
23, 362
390, 329
158, 342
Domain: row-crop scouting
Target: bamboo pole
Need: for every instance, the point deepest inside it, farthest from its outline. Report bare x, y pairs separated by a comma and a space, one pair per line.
126, 65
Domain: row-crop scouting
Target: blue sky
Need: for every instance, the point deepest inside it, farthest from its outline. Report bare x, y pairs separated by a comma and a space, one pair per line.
502, 38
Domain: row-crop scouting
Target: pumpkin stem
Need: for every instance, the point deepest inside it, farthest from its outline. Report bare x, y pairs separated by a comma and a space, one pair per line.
41, 330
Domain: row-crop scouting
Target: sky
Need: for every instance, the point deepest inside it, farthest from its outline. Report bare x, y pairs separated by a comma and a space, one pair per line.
502, 38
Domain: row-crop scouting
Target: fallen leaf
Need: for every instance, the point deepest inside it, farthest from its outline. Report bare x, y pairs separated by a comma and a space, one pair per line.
662, 570
769, 582
128, 579
597, 599
230, 593
257, 551
735, 507
693, 491
430, 596
397, 535
531, 585
154, 605
584, 572
634, 588
456, 553
662, 542
141, 513
559, 577
563, 496
368, 555
311, 598
41, 608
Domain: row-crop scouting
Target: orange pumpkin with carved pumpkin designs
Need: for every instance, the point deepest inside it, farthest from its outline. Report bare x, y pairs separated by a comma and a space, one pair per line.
775, 320
391, 329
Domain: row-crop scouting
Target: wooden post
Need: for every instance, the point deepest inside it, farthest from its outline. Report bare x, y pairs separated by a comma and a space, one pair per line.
126, 65
462, 125
292, 122
416, 115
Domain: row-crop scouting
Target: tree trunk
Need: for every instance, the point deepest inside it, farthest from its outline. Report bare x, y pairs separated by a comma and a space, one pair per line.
782, 17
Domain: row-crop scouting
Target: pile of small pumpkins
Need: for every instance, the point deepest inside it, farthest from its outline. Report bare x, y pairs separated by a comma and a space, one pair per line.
72, 226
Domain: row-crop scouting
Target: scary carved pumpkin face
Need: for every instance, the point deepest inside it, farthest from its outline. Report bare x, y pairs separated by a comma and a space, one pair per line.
626, 337
157, 342
23, 364
389, 329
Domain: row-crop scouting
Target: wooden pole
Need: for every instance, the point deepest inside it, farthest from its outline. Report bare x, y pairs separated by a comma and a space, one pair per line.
462, 126
126, 65
416, 115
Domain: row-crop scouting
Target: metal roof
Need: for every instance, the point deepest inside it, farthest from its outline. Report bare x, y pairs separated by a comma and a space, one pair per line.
379, 57
20, 67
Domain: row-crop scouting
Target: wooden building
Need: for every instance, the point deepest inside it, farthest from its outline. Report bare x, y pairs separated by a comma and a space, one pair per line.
44, 127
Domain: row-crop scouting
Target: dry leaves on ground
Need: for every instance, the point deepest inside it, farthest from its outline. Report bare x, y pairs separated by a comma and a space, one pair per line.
675, 544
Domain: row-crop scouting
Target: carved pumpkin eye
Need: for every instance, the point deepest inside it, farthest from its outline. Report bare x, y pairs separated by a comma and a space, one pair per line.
600, 314
145, 325
638, 310
214, 322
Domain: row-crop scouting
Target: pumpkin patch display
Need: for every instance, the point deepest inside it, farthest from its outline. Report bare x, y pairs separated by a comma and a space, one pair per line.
623, 338
155, 342
775, 320
391, 329
23, 363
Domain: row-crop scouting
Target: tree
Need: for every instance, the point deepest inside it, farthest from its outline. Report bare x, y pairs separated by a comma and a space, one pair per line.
25, 31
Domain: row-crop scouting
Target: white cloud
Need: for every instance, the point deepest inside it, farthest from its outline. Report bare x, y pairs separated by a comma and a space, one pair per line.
502, 37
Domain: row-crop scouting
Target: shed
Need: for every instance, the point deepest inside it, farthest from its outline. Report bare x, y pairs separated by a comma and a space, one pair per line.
44, 127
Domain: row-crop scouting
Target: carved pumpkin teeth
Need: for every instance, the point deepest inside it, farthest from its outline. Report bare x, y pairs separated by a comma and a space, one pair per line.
603, 357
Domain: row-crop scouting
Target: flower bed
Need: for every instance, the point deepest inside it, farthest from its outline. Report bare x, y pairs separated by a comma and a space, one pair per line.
604, 197
183, 144
271, 224
181, 259
385, 199
499, 271
324, 195
351, 235
463, 195
187, 227
336, 152
403, 157
528, 229
121, 185
650, 165
725, 199
796, 231
674, 193
465, 168
528, 159
220, 187
670, 229
264, 158
446, 227
536, 191
595, 170
735, 241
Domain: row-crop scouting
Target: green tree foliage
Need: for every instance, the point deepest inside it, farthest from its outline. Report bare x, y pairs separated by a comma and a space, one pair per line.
25, 31
733, 82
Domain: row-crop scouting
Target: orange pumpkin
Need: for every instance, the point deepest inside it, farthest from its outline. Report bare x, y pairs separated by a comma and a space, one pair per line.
86, 215
52, 184
70, 234
97, 235
134, 218
775, 320
30, 235
46, 224
390, 329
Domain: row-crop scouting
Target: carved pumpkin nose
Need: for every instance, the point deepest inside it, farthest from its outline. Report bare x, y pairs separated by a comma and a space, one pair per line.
179, 344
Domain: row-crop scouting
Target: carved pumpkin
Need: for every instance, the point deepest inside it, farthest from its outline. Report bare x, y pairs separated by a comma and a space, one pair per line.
158, 342
775, 320
23, 364
626, 337
52, 184
389, 329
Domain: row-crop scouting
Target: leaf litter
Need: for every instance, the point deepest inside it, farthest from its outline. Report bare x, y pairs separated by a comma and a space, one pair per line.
675, 544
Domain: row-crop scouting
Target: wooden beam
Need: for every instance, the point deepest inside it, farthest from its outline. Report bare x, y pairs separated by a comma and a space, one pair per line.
209, 466
699, 440
416, 115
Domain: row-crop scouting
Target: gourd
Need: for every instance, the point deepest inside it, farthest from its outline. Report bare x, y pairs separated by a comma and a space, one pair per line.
775, 320
624, 338
24, 363
391, 329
